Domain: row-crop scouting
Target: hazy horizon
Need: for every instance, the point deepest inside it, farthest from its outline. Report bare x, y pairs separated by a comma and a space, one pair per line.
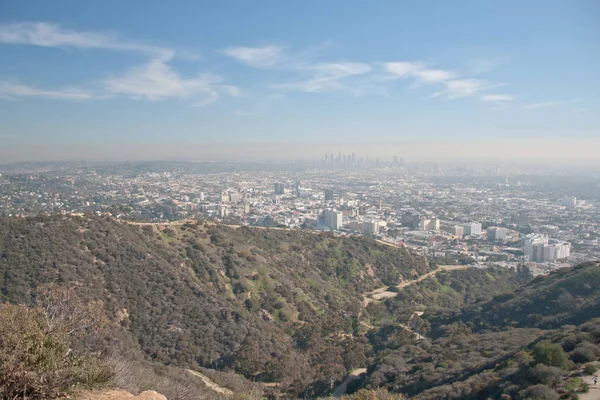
554, 153
281, 80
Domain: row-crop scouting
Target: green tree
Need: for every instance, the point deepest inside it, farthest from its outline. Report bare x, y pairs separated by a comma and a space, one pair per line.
552, 354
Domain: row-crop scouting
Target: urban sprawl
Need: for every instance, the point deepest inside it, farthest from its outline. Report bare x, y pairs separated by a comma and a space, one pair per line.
504, 216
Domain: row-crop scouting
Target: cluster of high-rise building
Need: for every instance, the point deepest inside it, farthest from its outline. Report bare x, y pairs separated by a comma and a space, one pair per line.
331, 158
540, 248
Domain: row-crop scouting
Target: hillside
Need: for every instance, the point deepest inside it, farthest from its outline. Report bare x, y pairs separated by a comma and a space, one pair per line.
565, 297
294, 312
539, 341
267, 303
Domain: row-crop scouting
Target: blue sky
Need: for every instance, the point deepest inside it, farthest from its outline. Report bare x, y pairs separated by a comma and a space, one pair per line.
89, 75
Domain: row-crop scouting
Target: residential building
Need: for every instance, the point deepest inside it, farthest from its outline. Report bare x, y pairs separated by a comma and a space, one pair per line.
372, 227
496, 233
333, 219
279, 188
472, 229
328, 194
458, 231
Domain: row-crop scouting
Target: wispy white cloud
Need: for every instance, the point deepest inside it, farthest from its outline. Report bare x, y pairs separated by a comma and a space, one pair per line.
313, 76
459, 88
454, 87
553, 103
497, 98
44, 34
156, 80
153, 80
418, 71
325, 77
14, 91
258, 57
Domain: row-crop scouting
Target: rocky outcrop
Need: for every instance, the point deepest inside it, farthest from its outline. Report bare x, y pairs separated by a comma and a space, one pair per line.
121, 395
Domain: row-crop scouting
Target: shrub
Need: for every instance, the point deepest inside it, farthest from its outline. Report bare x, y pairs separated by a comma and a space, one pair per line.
590, 369
584, 352
550, 376
575, 385
569, 343
552, 354
541, 392
37, 362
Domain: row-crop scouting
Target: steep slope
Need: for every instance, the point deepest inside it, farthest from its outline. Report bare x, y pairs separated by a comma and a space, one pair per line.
447, 291
534, 342
210, 295
568, 296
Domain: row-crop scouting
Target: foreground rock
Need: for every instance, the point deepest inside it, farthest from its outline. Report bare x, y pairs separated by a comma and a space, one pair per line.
122, 395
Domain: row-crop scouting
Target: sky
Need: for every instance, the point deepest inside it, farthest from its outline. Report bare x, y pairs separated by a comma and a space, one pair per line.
424, 80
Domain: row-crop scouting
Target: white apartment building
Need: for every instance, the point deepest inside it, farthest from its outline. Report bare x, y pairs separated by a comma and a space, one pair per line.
333, 219
539, 248
473, 228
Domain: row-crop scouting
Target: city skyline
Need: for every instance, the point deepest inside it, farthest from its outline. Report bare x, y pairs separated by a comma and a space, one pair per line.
282, 81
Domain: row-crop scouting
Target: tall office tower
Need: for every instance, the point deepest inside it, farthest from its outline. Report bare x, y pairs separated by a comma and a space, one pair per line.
372, 226
298, 187
458, 231
432, 224
235, 197
339, 156
424, 224
328, 194
533, 246
395, 159
473, 228
496, 233
224, 197
353, 158
279, 188
331, 158
333, 219
326, 157
344, 159
569, 202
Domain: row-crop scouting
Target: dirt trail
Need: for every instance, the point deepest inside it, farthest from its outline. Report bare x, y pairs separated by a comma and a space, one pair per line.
210, 384
383, 293
353, 375
594, 393
119, 394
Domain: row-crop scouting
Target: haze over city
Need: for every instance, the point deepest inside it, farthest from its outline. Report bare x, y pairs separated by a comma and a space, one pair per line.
280, 81
299, 199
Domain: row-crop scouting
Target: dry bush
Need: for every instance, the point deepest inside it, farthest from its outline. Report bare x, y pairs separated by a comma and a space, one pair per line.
136, 376
37, 360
